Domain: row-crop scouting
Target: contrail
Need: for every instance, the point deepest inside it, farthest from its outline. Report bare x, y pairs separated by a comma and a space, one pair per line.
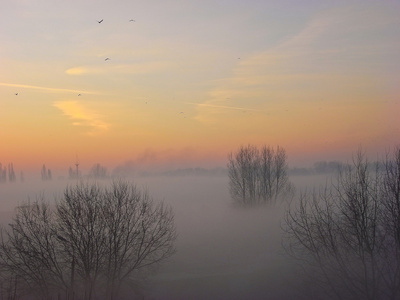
54, 90
222, 106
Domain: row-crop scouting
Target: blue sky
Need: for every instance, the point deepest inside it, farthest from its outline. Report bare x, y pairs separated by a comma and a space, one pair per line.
192, 80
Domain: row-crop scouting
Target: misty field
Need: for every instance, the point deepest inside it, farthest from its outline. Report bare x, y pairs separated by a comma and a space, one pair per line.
223, 251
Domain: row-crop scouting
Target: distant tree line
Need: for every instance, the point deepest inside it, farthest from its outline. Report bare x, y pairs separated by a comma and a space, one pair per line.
46, 173
319, 167
7, 172
98, 172
258, 175
192, 172
329, 167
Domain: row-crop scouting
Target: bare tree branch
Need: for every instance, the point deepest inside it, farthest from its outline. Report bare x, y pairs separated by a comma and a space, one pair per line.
258, 176
96, 241
347, 234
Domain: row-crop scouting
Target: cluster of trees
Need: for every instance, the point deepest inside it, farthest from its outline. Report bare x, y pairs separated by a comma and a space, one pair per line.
94, 244
98, 172
97, 242
349, 234
7, 171
46, 173
258, 175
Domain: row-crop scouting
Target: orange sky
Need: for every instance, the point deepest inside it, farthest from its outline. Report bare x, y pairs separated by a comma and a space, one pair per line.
187, 83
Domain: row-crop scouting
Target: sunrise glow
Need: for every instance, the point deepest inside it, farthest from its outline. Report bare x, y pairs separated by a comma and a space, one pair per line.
187, 83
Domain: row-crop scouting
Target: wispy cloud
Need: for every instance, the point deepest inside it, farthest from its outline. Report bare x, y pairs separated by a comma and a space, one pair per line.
221, 106
257, 77
46, 89
318, 61
314, 29
82, 116
85, 70
109, 67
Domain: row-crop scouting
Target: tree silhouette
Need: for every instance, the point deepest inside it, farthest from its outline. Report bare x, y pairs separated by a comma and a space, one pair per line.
3, 173
97, 242
98, 172
45, 173
258, 176
11, 173
348, 234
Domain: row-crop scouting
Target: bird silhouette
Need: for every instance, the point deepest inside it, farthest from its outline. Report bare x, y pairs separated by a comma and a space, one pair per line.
79, 94
100, 21
132, 20
16, 94
107, 59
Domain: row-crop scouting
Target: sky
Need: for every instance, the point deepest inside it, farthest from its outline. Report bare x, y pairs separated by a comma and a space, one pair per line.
185, 83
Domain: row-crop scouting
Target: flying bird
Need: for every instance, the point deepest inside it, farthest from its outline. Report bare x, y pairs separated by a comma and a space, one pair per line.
132, 20
107, 59
100, 21
16, 94
79, 95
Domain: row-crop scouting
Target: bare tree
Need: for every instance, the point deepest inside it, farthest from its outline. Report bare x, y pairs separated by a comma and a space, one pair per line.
391, 220
3, 173
257, 176
96, 242
280, 172
343, 232
267, 172
29, 256
11, 173
82, 233
140, 234
45, 173
98, 171
242, 167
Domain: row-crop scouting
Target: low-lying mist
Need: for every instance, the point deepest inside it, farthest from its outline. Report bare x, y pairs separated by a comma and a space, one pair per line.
223, 251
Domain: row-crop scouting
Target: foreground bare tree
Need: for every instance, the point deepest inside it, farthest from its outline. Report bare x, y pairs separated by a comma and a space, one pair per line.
29, 252
391, 221
258, 176
93, 245
348, 234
